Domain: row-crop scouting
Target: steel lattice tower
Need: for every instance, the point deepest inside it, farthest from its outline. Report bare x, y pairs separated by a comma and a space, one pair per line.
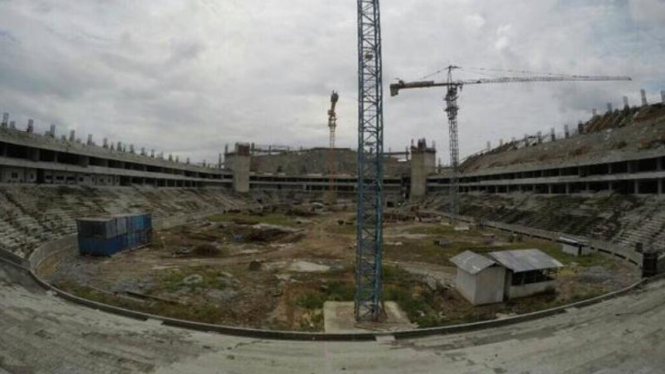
451, 109
369, 229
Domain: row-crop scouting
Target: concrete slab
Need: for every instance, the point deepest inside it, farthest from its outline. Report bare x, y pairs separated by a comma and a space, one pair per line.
338, 318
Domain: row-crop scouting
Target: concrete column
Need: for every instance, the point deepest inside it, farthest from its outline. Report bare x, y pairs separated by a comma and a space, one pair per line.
34, 154
567, 188
72, 135
626, 104
661, 186
90, 142
643, 93
52, 131
632, 167
552, 134
240, 165
636, 187
550, 189
31, 126
423, 164
566, 131
84, 161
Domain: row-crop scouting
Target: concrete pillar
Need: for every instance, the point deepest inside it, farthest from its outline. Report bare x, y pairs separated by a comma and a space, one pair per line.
661, 186
5, 119
187, 161
52, 131
552, 134
626, 104
423, 164
636, 187
131, 148
240, 165
106, 143
540, 137
119, 147
84, 161
72, 136
31, 126
643, 93
90, 142
550, 189
609, 107
142, 151
34, 154
566, 131
152, 153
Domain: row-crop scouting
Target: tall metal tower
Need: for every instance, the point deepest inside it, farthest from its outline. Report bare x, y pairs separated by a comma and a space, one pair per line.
455, 86
451, 110
369, 229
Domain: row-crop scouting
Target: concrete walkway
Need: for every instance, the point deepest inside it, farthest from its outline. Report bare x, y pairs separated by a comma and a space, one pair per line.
40, 333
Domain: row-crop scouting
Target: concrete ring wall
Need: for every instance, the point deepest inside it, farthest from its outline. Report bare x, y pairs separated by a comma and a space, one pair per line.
53, 251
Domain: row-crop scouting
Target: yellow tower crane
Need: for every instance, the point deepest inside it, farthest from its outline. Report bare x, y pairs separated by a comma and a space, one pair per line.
332, 125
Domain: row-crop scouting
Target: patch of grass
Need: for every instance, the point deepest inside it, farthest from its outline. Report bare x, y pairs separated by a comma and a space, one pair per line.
431, 229
253, 219
311, 300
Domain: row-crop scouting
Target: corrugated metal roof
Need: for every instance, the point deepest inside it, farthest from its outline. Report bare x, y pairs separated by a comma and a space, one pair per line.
471, 262
522, 260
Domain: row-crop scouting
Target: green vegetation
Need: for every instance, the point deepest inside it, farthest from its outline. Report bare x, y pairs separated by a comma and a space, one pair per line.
253, 219
335, 291
206, 313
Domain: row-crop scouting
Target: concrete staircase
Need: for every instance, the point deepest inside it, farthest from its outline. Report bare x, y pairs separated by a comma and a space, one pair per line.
31, 215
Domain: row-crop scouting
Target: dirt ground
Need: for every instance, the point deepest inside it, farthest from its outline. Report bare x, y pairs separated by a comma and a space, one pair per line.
276, 270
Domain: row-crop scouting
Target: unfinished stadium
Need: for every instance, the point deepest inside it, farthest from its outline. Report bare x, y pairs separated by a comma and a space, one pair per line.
542, 253
248, 261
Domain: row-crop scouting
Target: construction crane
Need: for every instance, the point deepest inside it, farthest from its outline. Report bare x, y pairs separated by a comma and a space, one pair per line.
332, 125
452, 109
369, 230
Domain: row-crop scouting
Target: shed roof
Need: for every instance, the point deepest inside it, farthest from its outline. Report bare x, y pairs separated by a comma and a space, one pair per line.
471, 262
522, 260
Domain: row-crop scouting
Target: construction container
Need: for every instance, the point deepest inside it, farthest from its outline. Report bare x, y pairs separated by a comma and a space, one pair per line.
106, 236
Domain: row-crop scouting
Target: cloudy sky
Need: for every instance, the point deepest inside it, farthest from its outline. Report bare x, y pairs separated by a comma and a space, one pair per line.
187, 77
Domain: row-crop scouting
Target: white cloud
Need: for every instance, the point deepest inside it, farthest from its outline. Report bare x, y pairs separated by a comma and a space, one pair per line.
189, 76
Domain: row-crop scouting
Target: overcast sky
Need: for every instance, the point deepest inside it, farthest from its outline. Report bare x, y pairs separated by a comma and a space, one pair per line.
186, 77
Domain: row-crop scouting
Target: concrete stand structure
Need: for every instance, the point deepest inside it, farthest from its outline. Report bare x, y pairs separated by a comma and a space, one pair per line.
423, 164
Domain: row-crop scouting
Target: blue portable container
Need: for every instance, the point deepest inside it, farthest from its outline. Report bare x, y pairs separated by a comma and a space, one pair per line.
110, 235
102, 247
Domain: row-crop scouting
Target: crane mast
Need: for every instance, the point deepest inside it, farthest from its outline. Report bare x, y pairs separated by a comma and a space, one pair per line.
368, 304
332, 125
452, 109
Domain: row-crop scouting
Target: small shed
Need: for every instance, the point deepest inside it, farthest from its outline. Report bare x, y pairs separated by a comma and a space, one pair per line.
528, 271
479, 279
